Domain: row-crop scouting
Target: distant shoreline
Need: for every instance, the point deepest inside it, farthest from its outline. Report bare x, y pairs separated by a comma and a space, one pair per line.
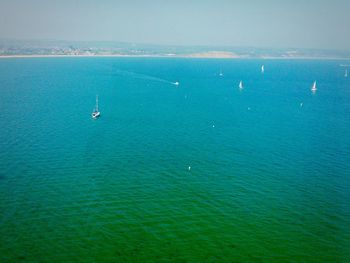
190, 56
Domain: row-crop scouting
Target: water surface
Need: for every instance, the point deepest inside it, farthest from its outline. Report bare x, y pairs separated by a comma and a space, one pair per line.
269, 178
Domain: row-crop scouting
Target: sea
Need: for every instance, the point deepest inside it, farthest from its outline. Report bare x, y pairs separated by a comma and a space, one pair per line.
201, 171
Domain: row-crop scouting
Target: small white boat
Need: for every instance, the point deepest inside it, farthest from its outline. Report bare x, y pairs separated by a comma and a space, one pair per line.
262, 69
240, 85
176, 83
314, 88
346, 73
95, 113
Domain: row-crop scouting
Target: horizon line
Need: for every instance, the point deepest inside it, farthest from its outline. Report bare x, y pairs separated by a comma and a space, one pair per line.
174, 45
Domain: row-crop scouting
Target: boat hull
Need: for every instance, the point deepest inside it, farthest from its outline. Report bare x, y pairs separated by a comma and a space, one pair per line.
95, 115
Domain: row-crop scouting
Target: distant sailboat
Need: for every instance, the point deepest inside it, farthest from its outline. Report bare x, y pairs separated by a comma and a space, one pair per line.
262, 69
314, 88
95, 113
346, 73
240, 85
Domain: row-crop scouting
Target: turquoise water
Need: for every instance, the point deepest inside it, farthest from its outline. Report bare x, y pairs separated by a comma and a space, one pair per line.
269, 179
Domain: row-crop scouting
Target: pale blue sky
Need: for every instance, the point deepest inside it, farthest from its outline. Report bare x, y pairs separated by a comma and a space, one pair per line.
269, 23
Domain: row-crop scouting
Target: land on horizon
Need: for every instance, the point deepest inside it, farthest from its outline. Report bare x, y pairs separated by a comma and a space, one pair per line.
54, 48
175, 131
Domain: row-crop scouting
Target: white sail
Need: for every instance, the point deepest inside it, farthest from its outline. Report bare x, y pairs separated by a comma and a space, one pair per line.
262, 69
240, 85
314, 88
95, 113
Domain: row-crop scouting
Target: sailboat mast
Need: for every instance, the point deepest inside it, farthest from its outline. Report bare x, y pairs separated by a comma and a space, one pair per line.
96, 102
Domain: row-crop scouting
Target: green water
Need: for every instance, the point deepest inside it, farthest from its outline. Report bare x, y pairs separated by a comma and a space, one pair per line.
269, 178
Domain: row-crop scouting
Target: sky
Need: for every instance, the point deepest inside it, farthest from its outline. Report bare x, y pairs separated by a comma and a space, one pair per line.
320, 24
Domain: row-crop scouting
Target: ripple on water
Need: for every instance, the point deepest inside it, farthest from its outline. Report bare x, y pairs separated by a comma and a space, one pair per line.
270, 184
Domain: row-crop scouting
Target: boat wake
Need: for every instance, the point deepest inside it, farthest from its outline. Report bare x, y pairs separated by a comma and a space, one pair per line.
136, 75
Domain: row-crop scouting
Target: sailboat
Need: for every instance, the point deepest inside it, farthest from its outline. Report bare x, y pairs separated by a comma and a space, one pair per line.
313, 88
346, 73
240, 85
262, 69
95, 113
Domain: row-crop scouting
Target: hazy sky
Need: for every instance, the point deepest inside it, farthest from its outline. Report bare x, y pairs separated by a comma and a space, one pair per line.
256, 23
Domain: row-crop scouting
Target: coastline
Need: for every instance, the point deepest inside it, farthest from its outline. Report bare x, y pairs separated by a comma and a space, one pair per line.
190, 56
